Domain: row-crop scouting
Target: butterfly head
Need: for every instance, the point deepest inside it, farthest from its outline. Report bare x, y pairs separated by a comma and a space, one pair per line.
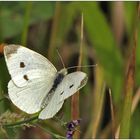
63, 71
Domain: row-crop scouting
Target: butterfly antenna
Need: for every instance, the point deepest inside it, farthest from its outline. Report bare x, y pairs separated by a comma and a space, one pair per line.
61, 59
82, 66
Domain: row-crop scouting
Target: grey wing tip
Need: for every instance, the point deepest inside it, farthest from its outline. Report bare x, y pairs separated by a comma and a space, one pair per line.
84, 81
10, 49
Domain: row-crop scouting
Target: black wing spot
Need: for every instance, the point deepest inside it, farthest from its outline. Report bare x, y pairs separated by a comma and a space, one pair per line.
26, 77
61, 93
71, 86
22, 65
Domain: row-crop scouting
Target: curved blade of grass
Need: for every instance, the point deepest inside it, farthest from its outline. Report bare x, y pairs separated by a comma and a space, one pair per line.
98, 101
129, 85
103, 42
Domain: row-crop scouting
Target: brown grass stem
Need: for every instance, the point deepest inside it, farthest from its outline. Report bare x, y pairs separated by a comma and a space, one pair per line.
98, 100
75, 97
129, 85
26, 23
112, 114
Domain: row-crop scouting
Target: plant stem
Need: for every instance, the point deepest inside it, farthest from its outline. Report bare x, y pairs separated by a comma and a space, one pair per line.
26, 23
112, 114
129, 87
54, 30
98, 100
75, 97
21, 122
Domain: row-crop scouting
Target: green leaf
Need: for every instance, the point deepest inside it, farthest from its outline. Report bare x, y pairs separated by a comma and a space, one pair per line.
107, 53
135, 128
42, 11
129, 15
66, 20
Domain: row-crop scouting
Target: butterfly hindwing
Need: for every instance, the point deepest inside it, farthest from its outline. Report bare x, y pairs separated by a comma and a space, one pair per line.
25, 65
51, 109
29, 98
69, 85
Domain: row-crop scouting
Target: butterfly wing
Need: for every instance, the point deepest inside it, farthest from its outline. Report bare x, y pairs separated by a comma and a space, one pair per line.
51, 109
25, 65
30, 97
69, 85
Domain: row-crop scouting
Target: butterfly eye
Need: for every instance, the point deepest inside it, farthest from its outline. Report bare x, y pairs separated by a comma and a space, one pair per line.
22, 65
71, 86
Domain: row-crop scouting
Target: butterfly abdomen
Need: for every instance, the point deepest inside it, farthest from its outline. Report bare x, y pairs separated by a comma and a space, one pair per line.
57, 81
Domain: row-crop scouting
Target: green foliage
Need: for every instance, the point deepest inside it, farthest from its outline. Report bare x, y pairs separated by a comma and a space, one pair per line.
12, 16
103, 41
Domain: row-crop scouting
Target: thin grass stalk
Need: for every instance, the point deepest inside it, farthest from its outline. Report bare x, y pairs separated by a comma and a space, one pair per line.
16, 124
117, 23
54, 30
31, 120
24, 35
135, 102
129, 87
98, 100
112, 114
75, 97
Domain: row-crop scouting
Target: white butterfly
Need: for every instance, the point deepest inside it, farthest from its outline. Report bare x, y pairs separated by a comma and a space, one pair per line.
36, 85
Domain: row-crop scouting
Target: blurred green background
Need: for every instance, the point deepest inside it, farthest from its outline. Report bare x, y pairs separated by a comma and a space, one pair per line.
108, 39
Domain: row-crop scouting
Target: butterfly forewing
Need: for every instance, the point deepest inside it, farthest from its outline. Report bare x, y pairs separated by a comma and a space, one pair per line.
71, 84
32, 77
25, 65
